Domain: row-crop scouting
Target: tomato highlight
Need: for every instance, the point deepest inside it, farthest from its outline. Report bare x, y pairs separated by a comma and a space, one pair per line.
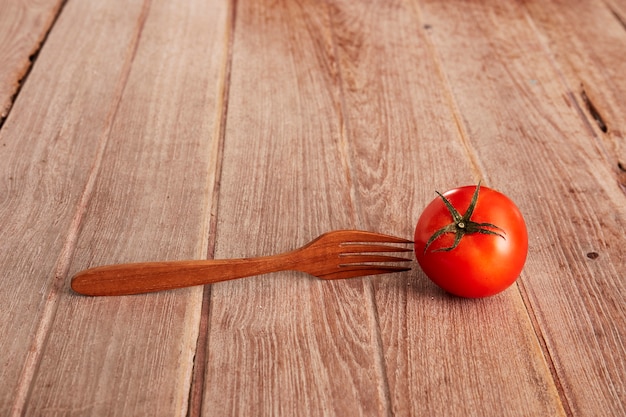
475, 254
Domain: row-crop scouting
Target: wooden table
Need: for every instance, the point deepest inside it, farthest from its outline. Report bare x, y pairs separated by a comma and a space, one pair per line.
162, 130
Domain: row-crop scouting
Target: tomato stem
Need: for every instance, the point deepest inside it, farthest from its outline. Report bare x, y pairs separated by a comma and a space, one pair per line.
462, 225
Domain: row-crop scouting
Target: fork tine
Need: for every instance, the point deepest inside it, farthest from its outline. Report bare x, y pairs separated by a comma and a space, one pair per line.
355, 236
362, 259
353, 271
364, 247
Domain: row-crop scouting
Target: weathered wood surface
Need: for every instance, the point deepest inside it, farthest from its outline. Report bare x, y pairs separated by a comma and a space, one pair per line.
48, 146
24, 25
156, 131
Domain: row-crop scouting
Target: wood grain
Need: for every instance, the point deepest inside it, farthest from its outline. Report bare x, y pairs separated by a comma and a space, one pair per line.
151, 198
155, 131
23, 27
441, 354
550, 163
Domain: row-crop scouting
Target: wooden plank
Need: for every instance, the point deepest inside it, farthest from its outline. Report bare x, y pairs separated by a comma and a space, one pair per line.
442, 355
123, 356
23, 27
287, 344
47, 148
537, 146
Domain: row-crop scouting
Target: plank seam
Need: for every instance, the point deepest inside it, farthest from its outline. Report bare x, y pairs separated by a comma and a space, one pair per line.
197, 383
62, 267
381, 364
479, 174
534, 321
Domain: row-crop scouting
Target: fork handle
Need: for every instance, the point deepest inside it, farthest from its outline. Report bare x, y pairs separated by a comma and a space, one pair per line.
137, 278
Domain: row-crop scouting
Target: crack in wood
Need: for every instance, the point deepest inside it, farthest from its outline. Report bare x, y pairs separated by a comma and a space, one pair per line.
621, 175
593, 111
620, 169
620, 18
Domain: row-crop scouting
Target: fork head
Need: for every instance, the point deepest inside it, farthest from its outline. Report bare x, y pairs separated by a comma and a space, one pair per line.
351, 253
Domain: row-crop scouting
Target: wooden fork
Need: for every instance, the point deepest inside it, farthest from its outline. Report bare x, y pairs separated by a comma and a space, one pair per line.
333, 255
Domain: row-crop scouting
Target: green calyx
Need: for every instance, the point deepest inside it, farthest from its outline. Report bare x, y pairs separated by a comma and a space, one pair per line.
462, 225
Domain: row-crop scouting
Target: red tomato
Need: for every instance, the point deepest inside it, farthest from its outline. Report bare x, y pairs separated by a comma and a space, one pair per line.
471, 241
